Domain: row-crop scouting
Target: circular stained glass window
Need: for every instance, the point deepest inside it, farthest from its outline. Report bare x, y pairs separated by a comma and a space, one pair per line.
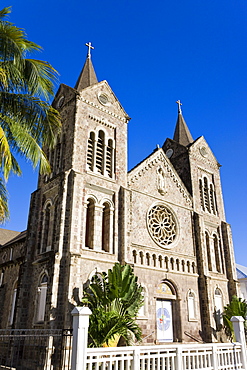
162, 225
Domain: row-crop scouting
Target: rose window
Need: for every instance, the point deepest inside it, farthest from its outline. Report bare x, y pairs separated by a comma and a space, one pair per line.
162, 225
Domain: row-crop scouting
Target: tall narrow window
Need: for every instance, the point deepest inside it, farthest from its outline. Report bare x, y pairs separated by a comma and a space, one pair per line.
106, 228
109, 151
206, 194
55, 226
89, 237
201, 194
90, 151
212, 199
41, 299
46, 226
208, 252
191, 306
13, 302
134, 256
58, 158
100, 152
216, 252
218, 307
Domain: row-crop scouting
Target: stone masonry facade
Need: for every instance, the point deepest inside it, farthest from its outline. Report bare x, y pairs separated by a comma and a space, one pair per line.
165, 218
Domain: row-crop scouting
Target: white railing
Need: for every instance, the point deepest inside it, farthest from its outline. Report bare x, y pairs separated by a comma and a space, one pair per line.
211, 356
166, 357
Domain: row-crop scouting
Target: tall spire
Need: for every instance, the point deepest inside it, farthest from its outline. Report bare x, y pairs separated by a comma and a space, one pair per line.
182, 134
87, 76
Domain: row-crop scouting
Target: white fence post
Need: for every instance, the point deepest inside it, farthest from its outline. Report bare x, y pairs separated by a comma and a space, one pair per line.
214, 357
238, 326
136, 359
80, 331
179, 357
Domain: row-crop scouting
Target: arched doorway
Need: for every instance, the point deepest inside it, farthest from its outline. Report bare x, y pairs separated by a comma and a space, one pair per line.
166, 313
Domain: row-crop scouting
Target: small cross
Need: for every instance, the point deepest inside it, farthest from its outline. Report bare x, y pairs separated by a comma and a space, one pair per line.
89, 49
179, 106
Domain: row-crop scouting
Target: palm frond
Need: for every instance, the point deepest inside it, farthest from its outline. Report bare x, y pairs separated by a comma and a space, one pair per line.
4, 12
4, 211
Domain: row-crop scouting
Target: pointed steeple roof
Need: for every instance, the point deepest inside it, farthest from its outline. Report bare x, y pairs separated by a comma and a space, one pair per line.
182, 134
88, 75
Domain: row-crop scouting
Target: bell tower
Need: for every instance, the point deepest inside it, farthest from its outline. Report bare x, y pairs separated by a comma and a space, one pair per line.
75, 219
199, 170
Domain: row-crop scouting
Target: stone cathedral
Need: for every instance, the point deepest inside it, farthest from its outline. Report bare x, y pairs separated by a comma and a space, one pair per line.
165, 217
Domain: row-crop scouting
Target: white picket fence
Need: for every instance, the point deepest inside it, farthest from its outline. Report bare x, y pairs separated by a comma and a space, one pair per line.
210, 356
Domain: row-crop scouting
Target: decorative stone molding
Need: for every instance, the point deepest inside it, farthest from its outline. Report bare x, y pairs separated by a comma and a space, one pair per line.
102, 121
205, 160
153, 162
123, 119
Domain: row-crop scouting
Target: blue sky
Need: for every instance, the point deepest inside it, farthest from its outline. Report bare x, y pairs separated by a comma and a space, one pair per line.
152, 54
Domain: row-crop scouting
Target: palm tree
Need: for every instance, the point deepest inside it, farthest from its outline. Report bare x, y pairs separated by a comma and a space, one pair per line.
115, 299
237, 307
27, 121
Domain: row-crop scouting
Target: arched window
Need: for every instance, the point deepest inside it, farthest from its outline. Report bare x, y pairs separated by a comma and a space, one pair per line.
134, 256
193, 267
1, 278
188, 266
206, 194
208, 252
147, 259
100, 152
216, 252
109, 154
89, 235
160, 261
218, 307
191, 305
41, 299
183, 265
212, 199
143, 311
172, 263
13, 303
141, 257
177, 263
90, 151
46, 227
154, 260
56, 223
106, 228
201, 193
57, 165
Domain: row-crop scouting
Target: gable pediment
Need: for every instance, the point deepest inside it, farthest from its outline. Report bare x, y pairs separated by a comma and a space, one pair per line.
157, 177
101, 97
202, 153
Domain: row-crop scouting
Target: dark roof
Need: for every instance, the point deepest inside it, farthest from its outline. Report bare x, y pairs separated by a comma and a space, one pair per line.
87, 76
182, 134
7, 235
20, 236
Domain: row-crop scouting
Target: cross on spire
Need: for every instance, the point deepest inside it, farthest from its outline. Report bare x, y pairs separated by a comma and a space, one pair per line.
89, 49
179, 106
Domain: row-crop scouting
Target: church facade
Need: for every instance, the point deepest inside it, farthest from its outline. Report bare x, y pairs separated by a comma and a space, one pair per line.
165, 217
